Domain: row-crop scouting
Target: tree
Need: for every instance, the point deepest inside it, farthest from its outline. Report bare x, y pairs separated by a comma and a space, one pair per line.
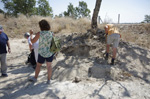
77, 12
60, 15
71, 11
82, 10
15, 7
9, 7
25, 7
147, 19
44, 8
95, 14
1, 11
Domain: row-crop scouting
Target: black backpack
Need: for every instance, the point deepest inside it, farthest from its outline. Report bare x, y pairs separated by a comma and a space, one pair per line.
31, 58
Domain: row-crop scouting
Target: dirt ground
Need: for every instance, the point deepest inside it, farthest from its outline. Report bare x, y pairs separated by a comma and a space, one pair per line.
79, 72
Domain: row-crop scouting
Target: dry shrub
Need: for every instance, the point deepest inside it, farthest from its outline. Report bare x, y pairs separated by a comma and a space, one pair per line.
83, 24
59, 24
136, 33
16, 27
1, 17
147, 27
68, 25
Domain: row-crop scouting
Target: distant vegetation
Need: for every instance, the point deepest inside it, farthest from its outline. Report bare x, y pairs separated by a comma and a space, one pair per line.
29, 8
26, 7
147, 19
77, 12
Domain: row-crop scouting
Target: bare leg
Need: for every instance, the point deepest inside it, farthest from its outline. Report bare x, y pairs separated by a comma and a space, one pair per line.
107, 48
37, 70
114, 53
49, 69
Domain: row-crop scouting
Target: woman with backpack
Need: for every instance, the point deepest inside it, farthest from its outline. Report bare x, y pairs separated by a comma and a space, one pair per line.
44, 54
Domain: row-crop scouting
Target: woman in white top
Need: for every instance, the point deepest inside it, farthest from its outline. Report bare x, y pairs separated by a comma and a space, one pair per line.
32, 46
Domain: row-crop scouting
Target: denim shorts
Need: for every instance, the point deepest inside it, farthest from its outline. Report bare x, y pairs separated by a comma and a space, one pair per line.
42, 59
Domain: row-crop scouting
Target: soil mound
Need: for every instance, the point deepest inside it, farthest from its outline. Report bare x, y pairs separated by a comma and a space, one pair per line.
82, 56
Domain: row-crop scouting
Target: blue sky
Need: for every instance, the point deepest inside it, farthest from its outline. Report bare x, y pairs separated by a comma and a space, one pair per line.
129, 10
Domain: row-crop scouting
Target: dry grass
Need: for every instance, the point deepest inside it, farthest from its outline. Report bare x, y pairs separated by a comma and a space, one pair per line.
69, 25
137, 33
16, 27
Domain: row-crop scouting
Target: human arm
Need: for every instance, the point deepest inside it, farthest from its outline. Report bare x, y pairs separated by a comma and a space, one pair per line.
106, 30
8, 45
33, 40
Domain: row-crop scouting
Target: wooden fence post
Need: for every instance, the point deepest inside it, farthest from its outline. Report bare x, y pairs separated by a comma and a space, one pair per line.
118, 18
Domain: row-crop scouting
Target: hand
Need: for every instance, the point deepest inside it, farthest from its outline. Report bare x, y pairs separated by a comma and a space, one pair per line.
31, 32
9, 50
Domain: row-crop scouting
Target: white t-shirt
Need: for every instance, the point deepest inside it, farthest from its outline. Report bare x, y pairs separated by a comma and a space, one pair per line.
34, 45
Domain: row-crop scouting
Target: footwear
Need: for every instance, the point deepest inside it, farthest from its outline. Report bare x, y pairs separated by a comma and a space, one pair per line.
4, 75
48, 81
112, 61
106, 56
32, 79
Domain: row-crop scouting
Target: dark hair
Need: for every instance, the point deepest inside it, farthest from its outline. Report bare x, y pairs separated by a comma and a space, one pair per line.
44, 25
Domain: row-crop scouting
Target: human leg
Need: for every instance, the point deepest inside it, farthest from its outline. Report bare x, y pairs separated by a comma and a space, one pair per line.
37, 70
3, 64
49, 70
115, 45
107, 48
114, 56
114, 53
39, 64
109, 40
107, 51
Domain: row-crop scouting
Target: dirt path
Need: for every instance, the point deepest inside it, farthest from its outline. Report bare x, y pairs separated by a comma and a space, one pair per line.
66, 68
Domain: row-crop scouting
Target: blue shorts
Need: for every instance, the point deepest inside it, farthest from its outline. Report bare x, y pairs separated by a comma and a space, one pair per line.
42, 59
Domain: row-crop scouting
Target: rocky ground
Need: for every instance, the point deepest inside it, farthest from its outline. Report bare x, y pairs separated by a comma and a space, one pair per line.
80, 71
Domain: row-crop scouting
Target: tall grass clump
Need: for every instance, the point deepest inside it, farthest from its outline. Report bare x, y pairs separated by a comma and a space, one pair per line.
16, 27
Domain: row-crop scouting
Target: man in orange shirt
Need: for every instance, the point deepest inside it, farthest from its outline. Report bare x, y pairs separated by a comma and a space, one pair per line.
113, 37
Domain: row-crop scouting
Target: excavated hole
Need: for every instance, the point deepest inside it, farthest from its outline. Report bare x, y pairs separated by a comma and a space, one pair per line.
78, 50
